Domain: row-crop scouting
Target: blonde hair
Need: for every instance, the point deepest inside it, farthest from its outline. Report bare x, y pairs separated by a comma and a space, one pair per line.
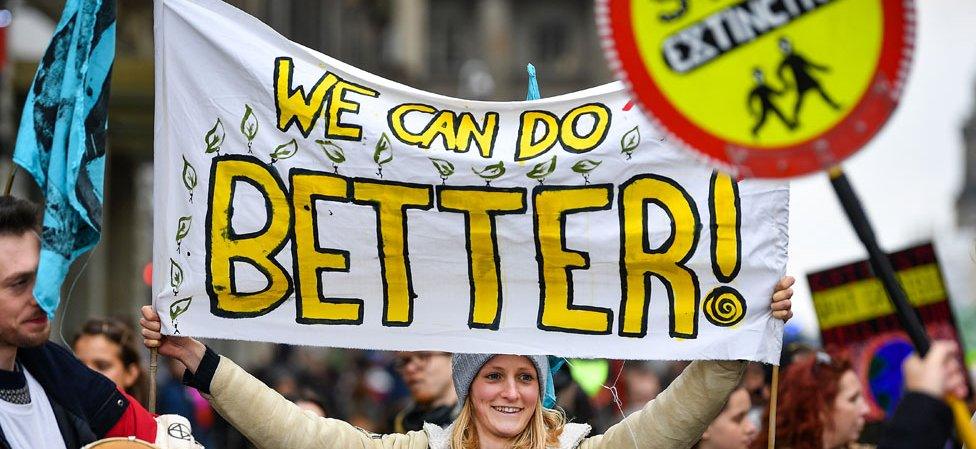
543, 430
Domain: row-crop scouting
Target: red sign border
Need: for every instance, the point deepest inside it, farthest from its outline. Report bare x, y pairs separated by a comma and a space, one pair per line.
845, 138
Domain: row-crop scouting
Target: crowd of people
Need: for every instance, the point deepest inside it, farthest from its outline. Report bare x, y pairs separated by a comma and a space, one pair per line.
351, 398
383, 392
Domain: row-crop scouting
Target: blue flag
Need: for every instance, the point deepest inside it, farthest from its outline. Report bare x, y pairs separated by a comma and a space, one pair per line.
532, 93
61, 140
549, 396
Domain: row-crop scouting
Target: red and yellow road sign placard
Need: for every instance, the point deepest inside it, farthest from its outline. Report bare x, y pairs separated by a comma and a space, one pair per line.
767, 88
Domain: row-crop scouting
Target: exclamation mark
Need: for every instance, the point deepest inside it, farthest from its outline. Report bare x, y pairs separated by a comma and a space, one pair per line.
724, 305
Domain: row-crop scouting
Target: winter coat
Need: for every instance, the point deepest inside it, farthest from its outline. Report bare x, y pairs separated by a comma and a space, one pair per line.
920, 422
674, 420
86, 405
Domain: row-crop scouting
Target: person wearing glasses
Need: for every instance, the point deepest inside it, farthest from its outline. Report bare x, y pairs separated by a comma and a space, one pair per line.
433, 400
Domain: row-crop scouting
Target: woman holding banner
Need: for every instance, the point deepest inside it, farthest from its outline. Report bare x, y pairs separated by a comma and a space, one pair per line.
501, 396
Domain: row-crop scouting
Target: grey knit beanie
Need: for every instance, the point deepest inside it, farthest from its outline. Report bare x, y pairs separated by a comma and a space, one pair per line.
466, 366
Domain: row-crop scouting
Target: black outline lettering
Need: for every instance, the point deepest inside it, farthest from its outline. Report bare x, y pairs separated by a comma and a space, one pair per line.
660, 250
606, 130
492, 214
208, 243
403, 124
454, 127
301, 91
406, 246
338, 116
713, 224
518, 145
320, 293
482, 131
536, 191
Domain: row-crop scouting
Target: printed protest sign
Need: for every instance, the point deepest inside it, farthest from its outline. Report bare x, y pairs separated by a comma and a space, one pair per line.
765, 88
301, 200
857, 319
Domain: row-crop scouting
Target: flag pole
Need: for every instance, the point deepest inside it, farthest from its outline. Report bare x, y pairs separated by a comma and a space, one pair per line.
10, 179
774, 393
884, 271
153, 367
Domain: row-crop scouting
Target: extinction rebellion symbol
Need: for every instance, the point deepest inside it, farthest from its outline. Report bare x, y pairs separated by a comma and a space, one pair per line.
766, 88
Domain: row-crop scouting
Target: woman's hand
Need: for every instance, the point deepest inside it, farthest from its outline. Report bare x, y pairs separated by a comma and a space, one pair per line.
781, 304
185, 349
938, 373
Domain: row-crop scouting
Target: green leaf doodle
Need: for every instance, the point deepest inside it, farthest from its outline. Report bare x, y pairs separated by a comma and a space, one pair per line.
189, 175
491, 172
284, 151
585, 166
384, 151
175, 275
178, 307
542, 170
215, 137
182, 229
444, 168
249, 124
332, 151
629, 142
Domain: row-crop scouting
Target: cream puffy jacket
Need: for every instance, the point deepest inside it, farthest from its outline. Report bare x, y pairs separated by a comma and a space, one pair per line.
675, 420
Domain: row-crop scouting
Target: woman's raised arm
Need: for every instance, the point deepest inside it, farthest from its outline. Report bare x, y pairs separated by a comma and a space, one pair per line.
265, 417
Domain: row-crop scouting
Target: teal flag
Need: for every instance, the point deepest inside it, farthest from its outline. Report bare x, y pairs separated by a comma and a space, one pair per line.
549, 396
61, 140
532, 93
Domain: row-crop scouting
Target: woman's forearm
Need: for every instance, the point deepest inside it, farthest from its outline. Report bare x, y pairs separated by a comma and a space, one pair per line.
679, 415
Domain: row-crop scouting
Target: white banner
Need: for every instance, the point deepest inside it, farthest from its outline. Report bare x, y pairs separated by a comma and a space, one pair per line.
304, 201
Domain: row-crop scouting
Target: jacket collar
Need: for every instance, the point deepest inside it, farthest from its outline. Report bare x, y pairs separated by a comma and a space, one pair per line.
440, 437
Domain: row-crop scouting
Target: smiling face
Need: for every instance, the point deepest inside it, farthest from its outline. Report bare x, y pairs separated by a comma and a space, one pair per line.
22, 322
846, 417
504, 394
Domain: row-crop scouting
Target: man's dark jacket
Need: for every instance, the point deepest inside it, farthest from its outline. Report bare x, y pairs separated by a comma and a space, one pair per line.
86, 404
920, 422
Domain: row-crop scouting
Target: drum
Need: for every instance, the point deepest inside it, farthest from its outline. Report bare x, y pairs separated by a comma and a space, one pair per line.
121, 443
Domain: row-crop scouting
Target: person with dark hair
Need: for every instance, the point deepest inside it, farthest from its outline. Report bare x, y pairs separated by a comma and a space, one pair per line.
428, 377
108, 345
48, 398
733, 428
307, 400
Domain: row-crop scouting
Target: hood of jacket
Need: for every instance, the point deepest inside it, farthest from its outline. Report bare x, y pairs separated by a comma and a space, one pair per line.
440, 437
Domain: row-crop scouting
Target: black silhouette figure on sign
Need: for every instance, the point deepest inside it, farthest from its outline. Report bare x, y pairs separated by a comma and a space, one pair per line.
803, 80
765, 94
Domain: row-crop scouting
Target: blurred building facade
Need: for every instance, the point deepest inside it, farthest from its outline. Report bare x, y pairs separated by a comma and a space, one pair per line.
475, 49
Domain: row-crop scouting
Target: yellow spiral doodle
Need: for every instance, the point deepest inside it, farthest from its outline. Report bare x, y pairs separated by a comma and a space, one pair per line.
724, 306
